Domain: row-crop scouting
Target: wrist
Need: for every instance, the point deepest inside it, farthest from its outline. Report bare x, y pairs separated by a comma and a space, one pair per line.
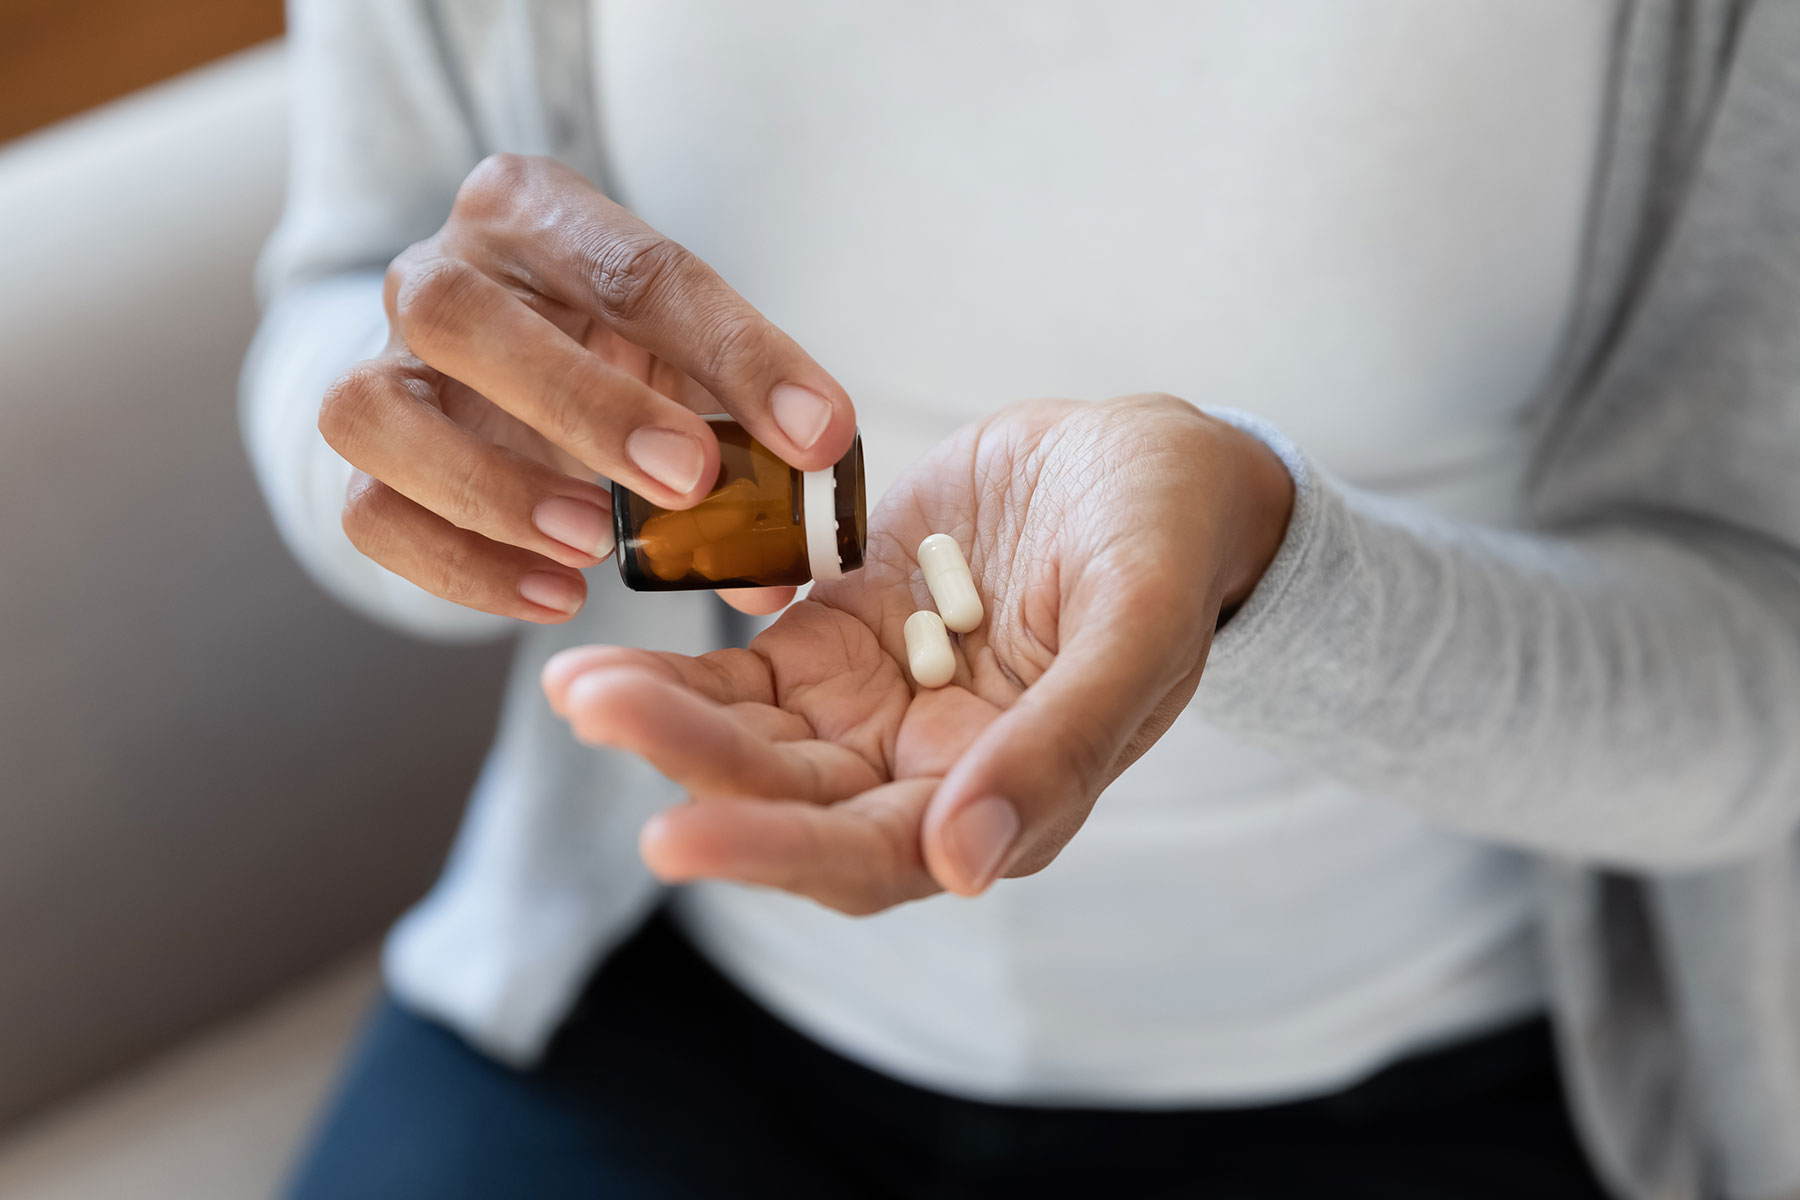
1262, 503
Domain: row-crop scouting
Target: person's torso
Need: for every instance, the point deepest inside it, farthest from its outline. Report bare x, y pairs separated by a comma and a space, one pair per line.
1360, 219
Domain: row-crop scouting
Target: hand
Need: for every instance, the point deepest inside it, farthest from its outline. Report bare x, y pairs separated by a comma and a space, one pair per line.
542, 338
1106, 541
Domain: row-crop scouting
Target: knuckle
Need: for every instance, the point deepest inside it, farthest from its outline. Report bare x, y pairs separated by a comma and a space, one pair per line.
350, 404
472, 490
629, 273
737, 346
436, 299
567, 404
403, 265
493, 188
361, 517
458, 577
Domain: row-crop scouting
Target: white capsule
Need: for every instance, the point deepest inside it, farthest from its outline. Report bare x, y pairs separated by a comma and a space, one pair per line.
928, 652
952, 587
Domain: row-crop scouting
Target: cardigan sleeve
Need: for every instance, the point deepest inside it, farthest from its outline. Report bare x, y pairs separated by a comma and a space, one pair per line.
1621, 682
1627, 692
381, 139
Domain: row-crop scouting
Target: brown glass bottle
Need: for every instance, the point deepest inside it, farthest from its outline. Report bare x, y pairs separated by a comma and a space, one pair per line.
764, 524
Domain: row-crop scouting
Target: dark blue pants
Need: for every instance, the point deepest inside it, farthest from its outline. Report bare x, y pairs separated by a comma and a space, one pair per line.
667, 1082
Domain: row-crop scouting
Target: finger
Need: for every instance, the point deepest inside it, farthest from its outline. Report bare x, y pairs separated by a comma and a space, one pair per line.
381, 419
708, 748
543, 222
758, 602
458, 320
1026, 785
458, 564
859, 856
725, 676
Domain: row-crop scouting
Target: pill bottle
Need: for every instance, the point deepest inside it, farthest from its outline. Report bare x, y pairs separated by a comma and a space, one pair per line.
764, 524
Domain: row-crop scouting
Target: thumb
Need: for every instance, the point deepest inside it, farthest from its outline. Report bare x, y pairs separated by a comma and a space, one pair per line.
1019, 793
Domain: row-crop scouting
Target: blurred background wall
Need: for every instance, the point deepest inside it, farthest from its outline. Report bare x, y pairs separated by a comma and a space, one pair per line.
60, 57
217, 788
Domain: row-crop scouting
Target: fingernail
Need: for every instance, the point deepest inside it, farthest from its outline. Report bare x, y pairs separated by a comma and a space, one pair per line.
555, 592
801, 413
576, 524
673, 459
980, 837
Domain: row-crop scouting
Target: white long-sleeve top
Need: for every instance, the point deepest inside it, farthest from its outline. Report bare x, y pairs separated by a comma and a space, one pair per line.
954, 206
1611, 690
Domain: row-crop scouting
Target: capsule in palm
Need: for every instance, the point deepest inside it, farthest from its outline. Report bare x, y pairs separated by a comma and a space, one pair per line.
928, 653
952, 586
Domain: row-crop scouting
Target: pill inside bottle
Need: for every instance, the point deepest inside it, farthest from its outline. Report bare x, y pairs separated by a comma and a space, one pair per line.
764, 524
928, 653
952, 586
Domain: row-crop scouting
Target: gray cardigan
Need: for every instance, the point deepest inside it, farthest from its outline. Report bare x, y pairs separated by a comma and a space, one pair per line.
1617, 688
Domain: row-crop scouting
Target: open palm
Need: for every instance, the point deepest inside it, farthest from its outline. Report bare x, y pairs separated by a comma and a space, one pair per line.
1103, 540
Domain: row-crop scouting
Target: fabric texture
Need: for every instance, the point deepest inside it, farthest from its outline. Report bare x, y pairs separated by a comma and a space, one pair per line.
666, 1082
1380, 252
1615, 689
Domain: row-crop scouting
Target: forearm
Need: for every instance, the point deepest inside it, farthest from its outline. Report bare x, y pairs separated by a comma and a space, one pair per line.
1624, 693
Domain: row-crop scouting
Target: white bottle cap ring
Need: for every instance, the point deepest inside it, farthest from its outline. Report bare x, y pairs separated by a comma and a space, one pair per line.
818, 503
